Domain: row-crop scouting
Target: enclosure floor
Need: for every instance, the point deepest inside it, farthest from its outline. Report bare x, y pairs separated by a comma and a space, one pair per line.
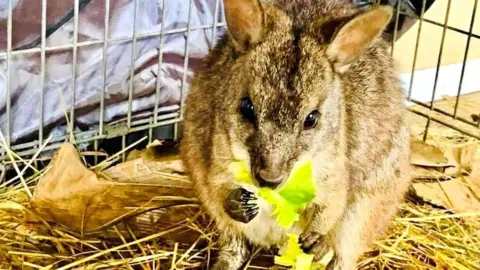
420, 237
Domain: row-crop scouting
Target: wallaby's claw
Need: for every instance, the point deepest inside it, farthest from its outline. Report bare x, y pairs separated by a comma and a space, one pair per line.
239, 206
314, 243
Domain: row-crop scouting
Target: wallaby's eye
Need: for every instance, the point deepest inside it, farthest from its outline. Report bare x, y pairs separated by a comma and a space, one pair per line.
247, 109
311, 120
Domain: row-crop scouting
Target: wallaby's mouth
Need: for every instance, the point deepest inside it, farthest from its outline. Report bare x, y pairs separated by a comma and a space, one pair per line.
269, 182
269, 172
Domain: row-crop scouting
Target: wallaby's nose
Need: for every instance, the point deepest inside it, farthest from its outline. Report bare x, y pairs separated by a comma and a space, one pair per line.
269, 178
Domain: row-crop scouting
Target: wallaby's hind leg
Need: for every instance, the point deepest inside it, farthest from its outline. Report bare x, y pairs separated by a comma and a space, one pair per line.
366, 218
233, 254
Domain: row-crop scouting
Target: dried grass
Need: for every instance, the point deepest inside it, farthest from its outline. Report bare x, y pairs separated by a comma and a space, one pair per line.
421, 237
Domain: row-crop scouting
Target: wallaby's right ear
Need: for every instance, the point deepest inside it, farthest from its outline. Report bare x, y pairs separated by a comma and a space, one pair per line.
354, 37
245, 21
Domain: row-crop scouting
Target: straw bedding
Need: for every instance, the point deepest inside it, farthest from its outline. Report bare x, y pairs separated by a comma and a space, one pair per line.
421, 237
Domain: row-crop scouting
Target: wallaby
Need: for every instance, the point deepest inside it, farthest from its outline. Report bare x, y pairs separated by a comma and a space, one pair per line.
297, 80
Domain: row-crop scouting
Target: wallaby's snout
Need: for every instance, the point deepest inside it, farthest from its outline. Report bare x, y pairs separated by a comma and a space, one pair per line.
269, 173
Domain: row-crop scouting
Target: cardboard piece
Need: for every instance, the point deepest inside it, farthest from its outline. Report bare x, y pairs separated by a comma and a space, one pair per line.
461, 191
426, 155
458, 194
145, 195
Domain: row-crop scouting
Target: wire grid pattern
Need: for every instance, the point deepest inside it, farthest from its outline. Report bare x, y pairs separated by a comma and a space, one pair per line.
120, 128
430, 105
149, 121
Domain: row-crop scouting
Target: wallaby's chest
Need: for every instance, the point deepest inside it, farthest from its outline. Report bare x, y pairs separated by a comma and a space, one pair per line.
264, 230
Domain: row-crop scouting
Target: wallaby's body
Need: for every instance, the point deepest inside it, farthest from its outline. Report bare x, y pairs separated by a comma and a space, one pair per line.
296, 80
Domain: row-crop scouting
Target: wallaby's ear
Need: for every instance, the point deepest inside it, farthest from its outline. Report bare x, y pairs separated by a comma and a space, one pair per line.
358, 34
245, 21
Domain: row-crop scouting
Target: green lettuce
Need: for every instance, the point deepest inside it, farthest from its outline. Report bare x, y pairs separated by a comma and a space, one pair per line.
292, 198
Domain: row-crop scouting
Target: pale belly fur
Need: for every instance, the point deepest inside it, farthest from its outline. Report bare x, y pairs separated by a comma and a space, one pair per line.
264, 230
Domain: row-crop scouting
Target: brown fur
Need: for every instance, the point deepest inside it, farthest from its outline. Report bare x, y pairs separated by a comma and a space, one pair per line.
285, 62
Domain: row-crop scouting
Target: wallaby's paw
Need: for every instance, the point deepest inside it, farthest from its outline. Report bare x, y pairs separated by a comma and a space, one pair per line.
314, 243
239, 205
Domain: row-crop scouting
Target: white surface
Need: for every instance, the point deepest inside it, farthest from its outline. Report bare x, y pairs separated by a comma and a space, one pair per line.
448, 81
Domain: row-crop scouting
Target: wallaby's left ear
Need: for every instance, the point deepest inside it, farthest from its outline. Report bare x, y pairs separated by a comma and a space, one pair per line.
245, 21
358, 34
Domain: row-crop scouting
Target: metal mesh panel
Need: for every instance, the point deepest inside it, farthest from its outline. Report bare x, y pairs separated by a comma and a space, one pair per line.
436, 113
410, 16
144, 121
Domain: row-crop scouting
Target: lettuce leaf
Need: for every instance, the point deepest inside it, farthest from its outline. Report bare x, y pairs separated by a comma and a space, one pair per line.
288, 202
294, 255
300, 187
293, 197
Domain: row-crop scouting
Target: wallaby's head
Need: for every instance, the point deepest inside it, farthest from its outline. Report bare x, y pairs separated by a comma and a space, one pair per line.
284, 92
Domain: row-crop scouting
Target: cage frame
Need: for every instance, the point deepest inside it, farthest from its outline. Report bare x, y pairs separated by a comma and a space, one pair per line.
149, 121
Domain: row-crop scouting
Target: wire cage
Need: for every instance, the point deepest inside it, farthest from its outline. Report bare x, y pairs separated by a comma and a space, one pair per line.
456, 27
131, 63
103, 73
112, 75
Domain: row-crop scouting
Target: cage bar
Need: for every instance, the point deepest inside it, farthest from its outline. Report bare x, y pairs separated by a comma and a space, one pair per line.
454, 29
74, 67
132, 68
159, 73
395, 30
8, 79
465, 57
214, 24
160, 62
104, 67
147, 34
185, 67
42, 71
440, 111
437, 71
417, 44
